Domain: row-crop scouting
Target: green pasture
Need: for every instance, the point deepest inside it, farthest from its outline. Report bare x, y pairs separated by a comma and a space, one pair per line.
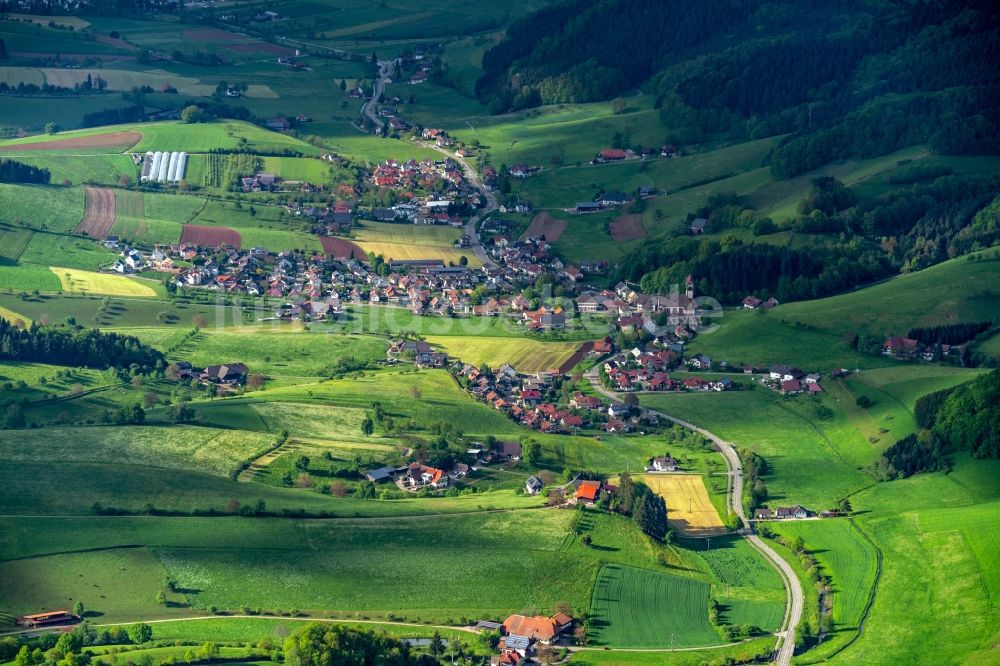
552, 135
13, 240
38, 487
104, 169
31, 114
204, 137
41, 207
567, 185
41, 382
53, 249
120, 312
274, 351
746, 652
813, 455
179, 447
262, 228
848, 559
638, 608
27, 277
114, 584
958, 290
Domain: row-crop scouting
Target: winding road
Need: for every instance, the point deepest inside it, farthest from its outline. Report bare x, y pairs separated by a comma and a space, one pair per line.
472, 176
369, 108
785, 647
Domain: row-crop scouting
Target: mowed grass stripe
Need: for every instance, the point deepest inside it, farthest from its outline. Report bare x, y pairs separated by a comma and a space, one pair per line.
638, 608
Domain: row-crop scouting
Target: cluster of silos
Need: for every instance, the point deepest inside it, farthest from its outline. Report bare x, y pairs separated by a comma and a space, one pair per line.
163, 167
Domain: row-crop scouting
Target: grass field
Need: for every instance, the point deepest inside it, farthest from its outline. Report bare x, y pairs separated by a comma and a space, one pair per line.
409, 241
814, 462
563, 187
46, 249
638, 608
117, 583
27, 277
202, 138
77, 169
941, 530
848, 559
182, 447
87, 282
526, 355
959, 290
14, 317
41, 207
747, 587
689, 510
273, 351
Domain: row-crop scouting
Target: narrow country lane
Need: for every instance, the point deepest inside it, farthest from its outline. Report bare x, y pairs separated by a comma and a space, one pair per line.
793, 588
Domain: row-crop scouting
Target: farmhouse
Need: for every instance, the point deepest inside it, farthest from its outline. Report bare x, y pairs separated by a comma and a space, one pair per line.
508, 657
233, 373
419, 476
613, 154
532, 485
537, 627
663, 464
796, 512
588, 492
698, 226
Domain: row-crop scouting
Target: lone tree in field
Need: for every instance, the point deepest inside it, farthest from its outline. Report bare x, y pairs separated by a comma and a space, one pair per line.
51, 128
367, 426
193, 114
78, 609
140, 633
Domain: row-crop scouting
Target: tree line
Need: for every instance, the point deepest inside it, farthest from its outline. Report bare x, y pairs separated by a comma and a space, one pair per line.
12, 171
336, 645
64, 345
948, 334
963, 418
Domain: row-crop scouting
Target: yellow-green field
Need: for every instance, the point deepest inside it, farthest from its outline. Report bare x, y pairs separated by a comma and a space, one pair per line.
689, 509
523, 354
74, 280
10, 315
412, 241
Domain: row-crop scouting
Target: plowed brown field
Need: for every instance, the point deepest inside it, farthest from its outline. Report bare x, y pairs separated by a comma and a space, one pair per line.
112, 140
210, 236
99, 213
341, 248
